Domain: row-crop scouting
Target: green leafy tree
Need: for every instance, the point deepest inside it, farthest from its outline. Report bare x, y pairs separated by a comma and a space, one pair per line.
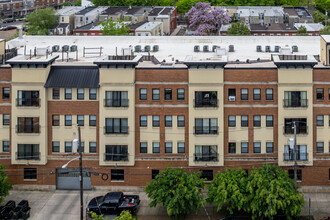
184, 6
40, 21
178, 192
229, 190
302, 31
270, 192
114, 28
238, 28
77, 3
125, 215
318, 17
325, 30
66, 4
323, 5
5, 186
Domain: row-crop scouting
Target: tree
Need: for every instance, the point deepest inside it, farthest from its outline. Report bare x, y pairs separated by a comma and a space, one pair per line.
271, 192
184, 6
229, 189
325, 30
66, 4
114, 28
77, 3
5, 186
125, 215
206, 19
302, 31
319, 17
238, 29
40, 21
178, 191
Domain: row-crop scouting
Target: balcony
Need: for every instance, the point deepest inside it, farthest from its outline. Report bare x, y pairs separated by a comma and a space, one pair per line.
28, 102
299, 103
300, 130
27, 128
300, 156
206, 130
116, 129
199, 157
116, 103
25, 156
115, 157
206, 103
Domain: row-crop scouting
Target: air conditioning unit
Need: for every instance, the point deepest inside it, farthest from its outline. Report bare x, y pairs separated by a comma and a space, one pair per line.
232, 98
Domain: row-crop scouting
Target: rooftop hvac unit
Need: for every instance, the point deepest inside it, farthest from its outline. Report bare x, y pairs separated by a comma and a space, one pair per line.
155, 48
277, 49
146, 48
205, 48
267, 49
127, 51
285, 51
214, 47
259, 48
137, 48
220, 51
42, 50
196, 48
73, 48
294, 48
55, 48
231, 48
65, 48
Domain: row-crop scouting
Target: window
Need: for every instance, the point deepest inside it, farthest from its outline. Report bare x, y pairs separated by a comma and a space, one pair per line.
180, 95
56, 146
143, 94
301, 125
116, 153
155, 121
5, 93
231, 94
319, 147
329, 94
117, 175
92, 147
92, 120
269, 94
256, 94
27, 98
319, 94
320, 120
301, 153
80, 120
155, 147
155, 94
206, 126
257, 147
68, 120
207, 174
294, 99
68, 146
28, 125
168, 147
206, 153
92, 94
80, 94
5, 119
269, 121
30, 173
56, 93
181, 122
256, 120
143, 147
116, 99
28, 152
206, 99
244, 147
168, 94
244, 94
116, 126
244, 121
269, 147
232, 148
5, 146
181, 149
143, 121
68, 93
299, 174
232, 121
154, 173
56, 120
168, 121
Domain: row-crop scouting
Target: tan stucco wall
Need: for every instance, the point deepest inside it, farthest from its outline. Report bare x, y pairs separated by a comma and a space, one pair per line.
29, 76
2, 47
324, 51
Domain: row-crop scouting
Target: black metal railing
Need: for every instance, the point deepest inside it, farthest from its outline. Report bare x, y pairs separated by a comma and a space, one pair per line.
206, 130
28, 102
115, 129
289, 103
206, 103
300, 156
24, 156
115, 157
206, 157
9, 53
300, 130
116, 102
27, 128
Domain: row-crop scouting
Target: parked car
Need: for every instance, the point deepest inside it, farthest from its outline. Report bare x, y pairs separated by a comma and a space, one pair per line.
6, 28
113, 203
8, 20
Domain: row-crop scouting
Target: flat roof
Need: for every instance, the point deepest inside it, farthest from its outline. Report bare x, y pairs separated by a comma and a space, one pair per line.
69, 10
310, 26
148, 26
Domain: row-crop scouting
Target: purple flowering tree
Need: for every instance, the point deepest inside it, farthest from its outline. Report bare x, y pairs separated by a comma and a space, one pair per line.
205, 19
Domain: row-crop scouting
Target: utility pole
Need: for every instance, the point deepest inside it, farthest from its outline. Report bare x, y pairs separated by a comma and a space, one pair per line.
295, 154
81, 178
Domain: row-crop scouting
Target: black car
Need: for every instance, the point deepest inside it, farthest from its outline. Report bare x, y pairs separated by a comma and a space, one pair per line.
113, 203
6, 28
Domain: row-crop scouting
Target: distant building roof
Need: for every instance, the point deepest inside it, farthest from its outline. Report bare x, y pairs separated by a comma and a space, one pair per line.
297, 11
63, 25
136, 25
69, 10
310, 26
272, 27
148, 26
85, 27
86, 10
155, 11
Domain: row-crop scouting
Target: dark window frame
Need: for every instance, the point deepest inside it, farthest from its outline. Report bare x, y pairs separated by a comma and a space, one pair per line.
154, 151
92, 147
231, 123
79, 121
155, 123
30, 174
181, 151
117, 175
55, 148
244, 123
319, 94
121, 128
168, 150
168, 94
144, 123
299, 174
68, 146
168, 120
207, 174
92, 95
269, 96
56, 93
269, 123
80, 95
5, 147
67, 94
244, 96
246, 148
256, 123
143, 149
319, 149
180, 122
180, 94
319, 123
256, 97
68, 122
6, 93
256, 150
268, 151
56, 122
232, 147
143, 96
91, 121
155, 97
7, 120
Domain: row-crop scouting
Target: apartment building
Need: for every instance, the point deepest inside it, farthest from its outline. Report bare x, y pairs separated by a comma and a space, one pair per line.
144, 107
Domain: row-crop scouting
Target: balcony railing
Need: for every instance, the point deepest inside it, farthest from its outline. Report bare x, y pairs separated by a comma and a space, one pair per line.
299, 103
28, 102
300, 156
116, 102
206, 130
115, 129
27, 128
22, 156
204, 103
300, 130
115, 157
205, 157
